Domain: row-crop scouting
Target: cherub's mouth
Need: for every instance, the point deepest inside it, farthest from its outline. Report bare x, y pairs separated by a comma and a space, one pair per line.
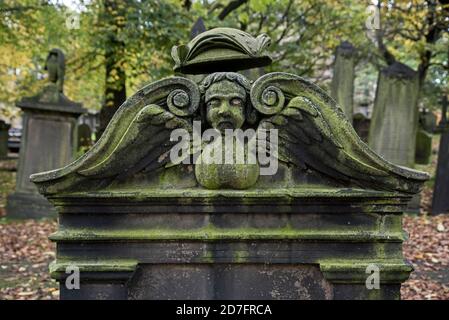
222, 125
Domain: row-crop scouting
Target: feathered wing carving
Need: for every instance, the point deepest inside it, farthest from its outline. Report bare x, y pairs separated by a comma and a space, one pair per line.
138, 136
314, 133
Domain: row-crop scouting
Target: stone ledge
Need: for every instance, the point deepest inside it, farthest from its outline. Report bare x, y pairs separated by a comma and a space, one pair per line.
354, 271
112, 269
343, 271
211, 234
292, 200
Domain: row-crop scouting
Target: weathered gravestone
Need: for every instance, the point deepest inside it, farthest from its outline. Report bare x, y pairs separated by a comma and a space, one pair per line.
395, 115
440, 201
423, 149
394, 122
147, 215
49, 140
428, 120
342, 86
4, 127
426, 127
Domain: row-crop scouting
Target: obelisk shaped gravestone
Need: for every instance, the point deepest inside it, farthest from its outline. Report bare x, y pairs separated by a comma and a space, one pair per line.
342, 86
395, 116
49, 140
440, 203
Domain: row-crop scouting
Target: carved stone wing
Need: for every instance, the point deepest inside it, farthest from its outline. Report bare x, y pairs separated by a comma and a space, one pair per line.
314, 133
138, 136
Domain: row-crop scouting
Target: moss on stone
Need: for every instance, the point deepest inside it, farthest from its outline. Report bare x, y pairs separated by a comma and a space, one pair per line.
212, 233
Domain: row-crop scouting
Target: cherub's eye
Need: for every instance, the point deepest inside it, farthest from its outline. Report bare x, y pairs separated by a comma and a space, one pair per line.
236, 102
213, 102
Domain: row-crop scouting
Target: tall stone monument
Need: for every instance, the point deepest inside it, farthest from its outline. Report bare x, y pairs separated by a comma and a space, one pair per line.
342, 86
440, 202
174, 202
49, 140
394, 122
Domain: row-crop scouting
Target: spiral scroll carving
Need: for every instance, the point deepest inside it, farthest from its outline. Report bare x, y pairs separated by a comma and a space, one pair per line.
178, 102
267, 100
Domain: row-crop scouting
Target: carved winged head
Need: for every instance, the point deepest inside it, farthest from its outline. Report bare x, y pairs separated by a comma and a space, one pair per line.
226, 96
313, 136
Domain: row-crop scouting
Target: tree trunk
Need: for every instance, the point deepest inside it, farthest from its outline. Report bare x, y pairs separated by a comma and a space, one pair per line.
115, 88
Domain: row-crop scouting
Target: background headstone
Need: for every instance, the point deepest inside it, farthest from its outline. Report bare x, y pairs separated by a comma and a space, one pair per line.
427, 125
4, 127
394, 122
423, 147
428, 120
49, 140
342, 86
395, 116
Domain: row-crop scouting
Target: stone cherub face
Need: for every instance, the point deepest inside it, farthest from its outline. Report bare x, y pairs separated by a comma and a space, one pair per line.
226, 97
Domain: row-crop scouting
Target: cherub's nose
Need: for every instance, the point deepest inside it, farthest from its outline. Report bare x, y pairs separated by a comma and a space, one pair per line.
224, 109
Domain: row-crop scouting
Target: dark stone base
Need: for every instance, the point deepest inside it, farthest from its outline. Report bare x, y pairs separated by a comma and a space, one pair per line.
315, 245
94, 291
22, 205
229, 281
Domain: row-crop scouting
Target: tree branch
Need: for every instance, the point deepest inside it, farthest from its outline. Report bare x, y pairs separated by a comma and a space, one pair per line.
233, 5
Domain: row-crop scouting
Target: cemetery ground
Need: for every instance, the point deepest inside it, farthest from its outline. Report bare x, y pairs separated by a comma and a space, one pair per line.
25, 251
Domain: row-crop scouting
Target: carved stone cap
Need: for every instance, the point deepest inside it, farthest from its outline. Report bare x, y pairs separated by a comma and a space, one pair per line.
346, 49
400, 71
51, 99
221, 49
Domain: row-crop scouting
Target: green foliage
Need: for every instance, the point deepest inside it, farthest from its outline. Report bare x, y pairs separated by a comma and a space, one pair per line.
140, 34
